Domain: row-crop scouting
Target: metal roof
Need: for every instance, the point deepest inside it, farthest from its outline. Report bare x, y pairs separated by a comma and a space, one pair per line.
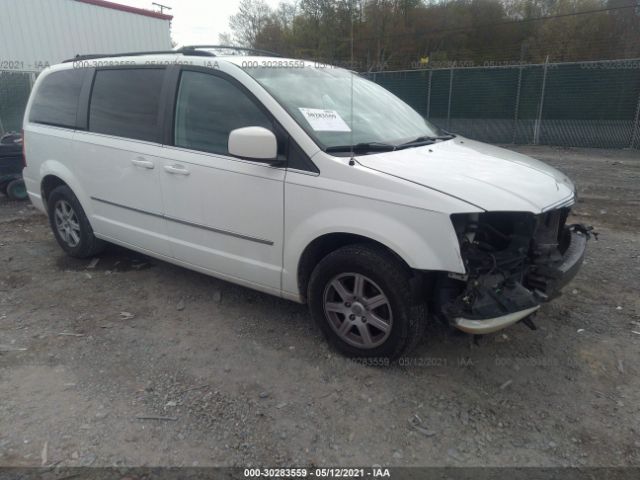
37, 33
128, 9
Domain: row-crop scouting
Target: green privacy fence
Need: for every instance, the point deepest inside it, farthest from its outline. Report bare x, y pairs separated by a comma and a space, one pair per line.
14, 93
587, 104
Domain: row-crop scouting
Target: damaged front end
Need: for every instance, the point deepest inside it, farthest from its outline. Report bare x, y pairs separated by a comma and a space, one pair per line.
514, 262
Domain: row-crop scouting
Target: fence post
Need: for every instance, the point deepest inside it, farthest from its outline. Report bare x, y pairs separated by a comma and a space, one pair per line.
429, 95
536, 131
1, 124
517, 107
635, 133
449, 105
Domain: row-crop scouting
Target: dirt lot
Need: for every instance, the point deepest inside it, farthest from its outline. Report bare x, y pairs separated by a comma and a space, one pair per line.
240, 378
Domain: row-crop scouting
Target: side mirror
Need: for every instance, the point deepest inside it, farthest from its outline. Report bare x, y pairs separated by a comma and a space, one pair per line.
254, 143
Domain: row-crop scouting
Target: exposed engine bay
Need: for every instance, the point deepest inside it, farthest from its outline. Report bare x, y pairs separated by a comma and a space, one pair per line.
514, 262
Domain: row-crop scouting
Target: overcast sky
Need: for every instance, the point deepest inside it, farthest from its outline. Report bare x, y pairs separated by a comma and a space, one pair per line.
196, 21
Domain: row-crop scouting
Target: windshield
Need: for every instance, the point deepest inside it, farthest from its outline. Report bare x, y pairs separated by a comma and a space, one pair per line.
322, 100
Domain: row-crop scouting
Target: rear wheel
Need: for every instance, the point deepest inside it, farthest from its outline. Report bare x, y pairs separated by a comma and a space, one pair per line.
70, 224
361, 298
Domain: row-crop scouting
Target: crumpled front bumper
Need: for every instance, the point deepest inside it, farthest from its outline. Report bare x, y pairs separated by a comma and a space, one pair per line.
554, 280
549, 279
490, 325
571, 260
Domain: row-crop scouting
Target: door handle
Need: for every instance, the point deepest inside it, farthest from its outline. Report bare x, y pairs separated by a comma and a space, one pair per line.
142, 162
176, 170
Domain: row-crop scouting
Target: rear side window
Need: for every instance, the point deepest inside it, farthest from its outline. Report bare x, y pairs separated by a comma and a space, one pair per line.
56, 101
125, 103
208, 108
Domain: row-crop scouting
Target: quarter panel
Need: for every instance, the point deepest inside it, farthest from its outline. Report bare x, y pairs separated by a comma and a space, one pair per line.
47, 150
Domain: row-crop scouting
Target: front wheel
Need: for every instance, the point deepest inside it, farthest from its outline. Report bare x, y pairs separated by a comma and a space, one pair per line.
362, 298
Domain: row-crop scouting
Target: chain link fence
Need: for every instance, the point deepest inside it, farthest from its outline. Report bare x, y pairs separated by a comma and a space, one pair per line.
14, 93
586, 104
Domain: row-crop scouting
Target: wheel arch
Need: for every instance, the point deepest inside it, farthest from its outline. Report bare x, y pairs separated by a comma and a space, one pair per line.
323, 245
48, 184
54, 174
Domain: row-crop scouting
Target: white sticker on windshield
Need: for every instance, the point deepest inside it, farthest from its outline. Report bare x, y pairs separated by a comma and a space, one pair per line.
324, 120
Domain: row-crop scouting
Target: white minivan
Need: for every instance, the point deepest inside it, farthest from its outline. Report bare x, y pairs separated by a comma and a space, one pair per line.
301, 180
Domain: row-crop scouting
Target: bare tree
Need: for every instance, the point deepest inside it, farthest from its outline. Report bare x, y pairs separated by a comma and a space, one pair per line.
388, 34
248, 22
286, 13
225, 38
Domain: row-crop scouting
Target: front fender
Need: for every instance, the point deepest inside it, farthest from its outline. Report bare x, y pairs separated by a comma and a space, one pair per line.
425, 240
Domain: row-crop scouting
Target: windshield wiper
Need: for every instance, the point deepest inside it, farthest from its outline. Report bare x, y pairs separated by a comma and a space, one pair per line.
424, 140
362, 147
367, 147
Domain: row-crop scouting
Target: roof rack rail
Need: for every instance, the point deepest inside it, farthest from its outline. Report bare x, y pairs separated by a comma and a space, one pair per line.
193, 48
198, 53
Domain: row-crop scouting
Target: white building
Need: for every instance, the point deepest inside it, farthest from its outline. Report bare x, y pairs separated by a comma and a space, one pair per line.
37, 33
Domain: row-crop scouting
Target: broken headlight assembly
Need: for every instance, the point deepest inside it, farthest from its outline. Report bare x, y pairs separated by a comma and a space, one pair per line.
514, 261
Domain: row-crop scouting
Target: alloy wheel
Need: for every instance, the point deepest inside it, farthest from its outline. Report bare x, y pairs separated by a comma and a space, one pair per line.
358, 310
67, 223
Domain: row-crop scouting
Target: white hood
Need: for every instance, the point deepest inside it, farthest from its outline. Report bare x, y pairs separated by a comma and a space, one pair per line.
488, 177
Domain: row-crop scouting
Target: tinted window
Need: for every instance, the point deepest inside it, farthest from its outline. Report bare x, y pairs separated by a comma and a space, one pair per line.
125, 103
208, 108
56, 101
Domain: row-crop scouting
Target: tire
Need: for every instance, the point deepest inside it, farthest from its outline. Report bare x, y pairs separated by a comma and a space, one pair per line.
16, 190
3, 187
387, 295
66, 216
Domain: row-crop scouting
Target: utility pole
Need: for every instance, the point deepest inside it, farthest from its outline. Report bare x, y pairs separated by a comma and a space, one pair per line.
538, 124
161, 7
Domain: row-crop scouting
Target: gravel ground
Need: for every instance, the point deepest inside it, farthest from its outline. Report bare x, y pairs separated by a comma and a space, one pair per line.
137, 362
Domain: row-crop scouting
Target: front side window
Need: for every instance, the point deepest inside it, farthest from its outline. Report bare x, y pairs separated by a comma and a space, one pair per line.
125, 103
56, 101
208, 109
